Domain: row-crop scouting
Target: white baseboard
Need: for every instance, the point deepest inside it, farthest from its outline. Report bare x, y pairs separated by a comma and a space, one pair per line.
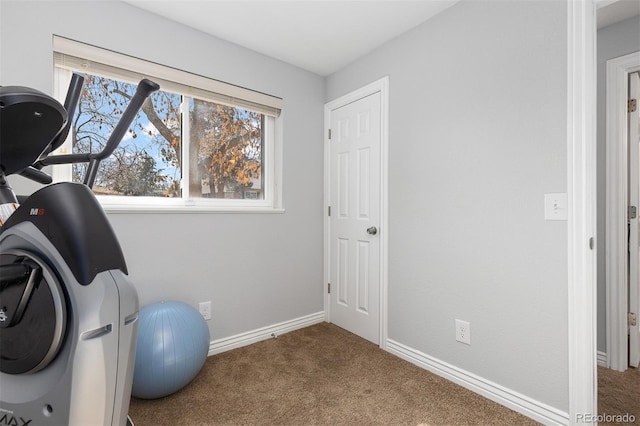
529, 407
244, 339
603, 359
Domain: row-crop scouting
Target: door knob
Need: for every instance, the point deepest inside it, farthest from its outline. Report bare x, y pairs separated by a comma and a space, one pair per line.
373, 230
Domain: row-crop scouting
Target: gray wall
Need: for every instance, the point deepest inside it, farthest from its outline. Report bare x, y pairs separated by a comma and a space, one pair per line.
477, 136
613, 41
257, 269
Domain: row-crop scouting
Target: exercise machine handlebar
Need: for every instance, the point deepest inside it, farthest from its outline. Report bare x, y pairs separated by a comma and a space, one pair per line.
144, 90
70, 104
36, 175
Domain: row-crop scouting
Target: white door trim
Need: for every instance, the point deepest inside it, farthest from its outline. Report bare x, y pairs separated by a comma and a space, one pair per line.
618, 71
381, 86
581, 188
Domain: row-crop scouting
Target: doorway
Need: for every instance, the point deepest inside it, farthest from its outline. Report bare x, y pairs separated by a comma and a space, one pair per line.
633, 285
621, 224
356, 231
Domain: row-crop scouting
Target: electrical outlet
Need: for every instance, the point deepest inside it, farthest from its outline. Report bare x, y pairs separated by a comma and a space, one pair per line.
463, 332
205, 309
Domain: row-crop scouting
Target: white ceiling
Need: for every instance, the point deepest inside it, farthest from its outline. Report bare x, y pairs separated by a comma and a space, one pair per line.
319, 36
614, 11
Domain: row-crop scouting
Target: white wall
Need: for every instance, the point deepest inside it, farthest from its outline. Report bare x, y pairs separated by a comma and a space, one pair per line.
477, 136
257, 269
613, 41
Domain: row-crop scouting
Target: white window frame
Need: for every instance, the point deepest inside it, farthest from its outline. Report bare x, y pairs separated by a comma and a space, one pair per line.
72, 56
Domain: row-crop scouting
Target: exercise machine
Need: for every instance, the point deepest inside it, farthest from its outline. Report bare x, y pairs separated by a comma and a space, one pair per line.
68, 313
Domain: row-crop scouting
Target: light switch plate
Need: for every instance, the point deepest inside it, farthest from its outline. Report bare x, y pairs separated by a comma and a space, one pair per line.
555, 206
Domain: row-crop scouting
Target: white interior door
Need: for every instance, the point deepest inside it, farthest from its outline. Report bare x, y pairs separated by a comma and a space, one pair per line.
354, 221
634, 198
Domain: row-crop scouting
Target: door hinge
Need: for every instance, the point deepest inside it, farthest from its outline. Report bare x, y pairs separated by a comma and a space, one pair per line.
632, 212
329, 211
329, 134
329, 288
632, 319
632, 105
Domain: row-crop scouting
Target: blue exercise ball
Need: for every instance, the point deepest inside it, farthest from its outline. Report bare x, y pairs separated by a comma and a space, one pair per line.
172, 346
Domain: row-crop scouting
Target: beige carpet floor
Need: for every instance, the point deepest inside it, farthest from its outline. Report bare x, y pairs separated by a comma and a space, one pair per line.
319, 375
324, 375
619, 394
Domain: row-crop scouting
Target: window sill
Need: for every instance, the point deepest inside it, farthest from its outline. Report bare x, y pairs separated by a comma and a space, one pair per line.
151, 205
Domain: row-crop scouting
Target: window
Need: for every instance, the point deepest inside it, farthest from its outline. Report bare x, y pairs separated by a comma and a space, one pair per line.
197, 144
